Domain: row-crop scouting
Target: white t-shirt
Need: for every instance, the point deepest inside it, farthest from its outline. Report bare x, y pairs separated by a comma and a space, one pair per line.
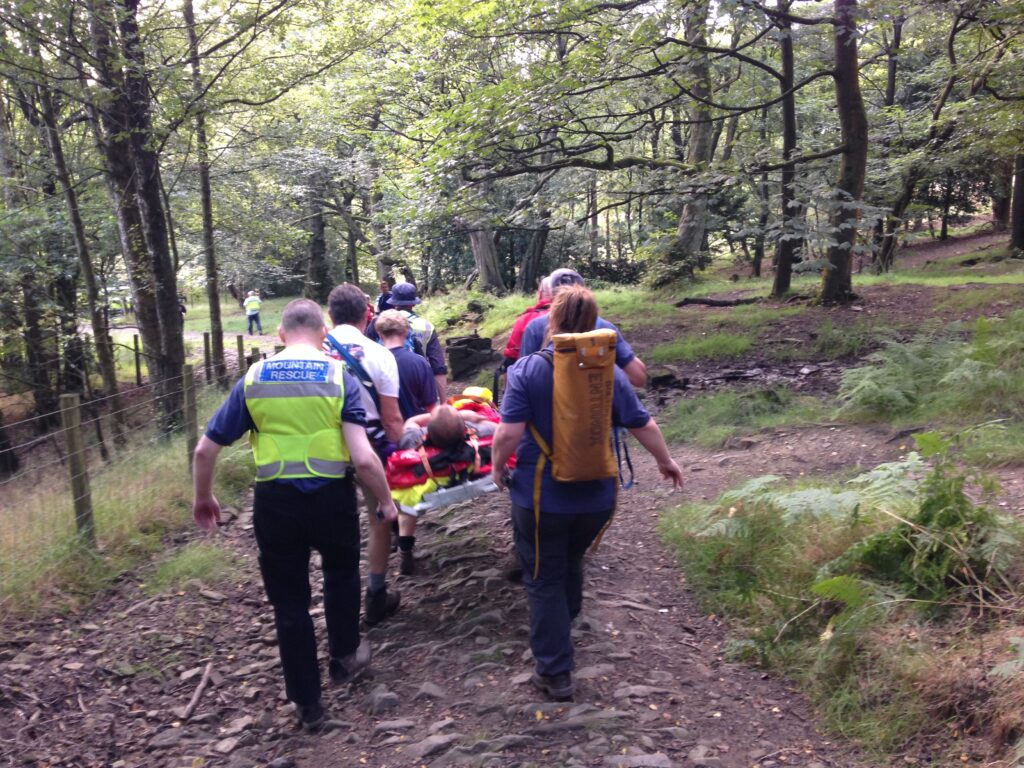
378, 361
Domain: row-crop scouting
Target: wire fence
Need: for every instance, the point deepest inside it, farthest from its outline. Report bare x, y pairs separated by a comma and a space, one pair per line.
80, 500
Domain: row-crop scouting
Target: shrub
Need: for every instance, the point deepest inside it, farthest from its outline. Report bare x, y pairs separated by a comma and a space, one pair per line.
949, 547
822, 582
942, 375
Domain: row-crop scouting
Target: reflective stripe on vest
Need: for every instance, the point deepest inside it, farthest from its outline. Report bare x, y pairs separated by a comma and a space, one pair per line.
296, 406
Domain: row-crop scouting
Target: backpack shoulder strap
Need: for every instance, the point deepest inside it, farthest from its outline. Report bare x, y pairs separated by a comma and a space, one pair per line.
545, 449
356, 367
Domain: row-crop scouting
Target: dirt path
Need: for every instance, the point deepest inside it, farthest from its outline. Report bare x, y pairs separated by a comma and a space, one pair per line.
450, 670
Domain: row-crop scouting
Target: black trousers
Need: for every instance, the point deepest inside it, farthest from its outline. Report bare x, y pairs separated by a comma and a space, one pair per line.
555, 595
254, 320
289, 524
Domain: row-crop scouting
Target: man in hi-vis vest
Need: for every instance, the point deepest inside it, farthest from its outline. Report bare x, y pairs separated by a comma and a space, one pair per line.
252, 306
306, 423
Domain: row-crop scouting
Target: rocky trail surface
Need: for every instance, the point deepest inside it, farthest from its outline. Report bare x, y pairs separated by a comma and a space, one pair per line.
191, 678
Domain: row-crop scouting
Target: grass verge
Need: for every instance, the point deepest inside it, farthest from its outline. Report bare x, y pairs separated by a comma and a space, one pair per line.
144, 493
712, 346
199, 561
710, 420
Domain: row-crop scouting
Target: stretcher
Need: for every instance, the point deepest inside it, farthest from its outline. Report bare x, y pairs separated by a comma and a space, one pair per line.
444, 497
426, 478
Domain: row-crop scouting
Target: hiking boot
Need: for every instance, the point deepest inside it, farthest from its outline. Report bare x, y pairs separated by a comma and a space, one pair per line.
380, 605
513, 570
346, 668
312, 717
557, 687
407, 567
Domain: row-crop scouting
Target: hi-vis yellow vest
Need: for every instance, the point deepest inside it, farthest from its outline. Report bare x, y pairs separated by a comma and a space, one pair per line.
252, 304
419, 327
296, 406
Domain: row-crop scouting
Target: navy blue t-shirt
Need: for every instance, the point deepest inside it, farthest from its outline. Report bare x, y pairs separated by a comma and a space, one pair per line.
527, 398
533, 339
232, 420
417, 388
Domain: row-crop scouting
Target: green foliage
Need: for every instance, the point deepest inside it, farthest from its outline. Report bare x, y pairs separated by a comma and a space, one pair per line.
994, 444
1013, 667
714, 346
198, 561
941, 376
756, 538
789, 566
709, 420
851, 340
949, 547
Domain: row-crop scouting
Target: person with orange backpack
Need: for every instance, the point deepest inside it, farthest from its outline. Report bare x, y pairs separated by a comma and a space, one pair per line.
557, 417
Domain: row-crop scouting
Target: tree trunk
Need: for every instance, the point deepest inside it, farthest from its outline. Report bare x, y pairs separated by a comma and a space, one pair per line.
529, 267
318, 276
836, 281
353, 234
892, 59
485, 255
1002, 195
592, 223
688, 248
42, 359
133, 176
762, 199
1017, 214
947, 201
206, 200
791, 240
72, 351
98, 318
9, 462
892, 69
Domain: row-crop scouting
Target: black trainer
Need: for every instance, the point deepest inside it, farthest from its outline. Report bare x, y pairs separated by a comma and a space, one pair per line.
345, 668
381, 604
557, 687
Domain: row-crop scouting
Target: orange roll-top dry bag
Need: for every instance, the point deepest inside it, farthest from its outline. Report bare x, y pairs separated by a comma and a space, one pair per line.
584, 385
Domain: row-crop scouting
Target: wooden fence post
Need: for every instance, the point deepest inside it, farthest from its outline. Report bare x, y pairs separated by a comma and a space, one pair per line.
191, 417
240, 342
207, 358
254, 355
71, 422
138, 361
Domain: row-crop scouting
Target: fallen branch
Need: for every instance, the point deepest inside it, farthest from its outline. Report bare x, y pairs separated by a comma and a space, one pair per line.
194, 701
715, 302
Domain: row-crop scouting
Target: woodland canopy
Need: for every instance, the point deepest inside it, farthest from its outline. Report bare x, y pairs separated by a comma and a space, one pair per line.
153, 149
